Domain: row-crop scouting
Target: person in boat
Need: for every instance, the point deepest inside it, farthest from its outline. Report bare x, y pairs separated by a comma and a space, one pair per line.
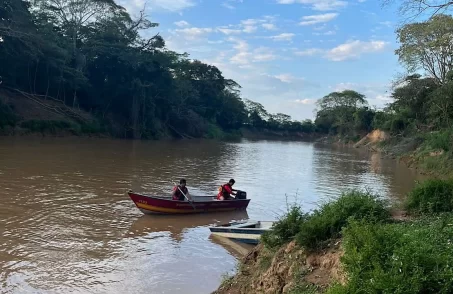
178, 191
226, 190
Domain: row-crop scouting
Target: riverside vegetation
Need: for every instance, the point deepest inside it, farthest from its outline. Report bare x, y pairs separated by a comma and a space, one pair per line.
86, 67
354, 245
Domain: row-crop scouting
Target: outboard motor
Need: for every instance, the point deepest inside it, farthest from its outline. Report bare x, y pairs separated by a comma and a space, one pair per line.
240, 195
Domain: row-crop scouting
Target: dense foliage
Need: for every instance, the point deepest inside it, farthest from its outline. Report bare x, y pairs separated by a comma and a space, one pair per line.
314, 230
380, 255
412, 257
422, 100
344, 113
91, 55
430, 197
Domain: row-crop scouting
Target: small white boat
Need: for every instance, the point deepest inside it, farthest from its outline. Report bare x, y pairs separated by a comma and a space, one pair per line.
245, 232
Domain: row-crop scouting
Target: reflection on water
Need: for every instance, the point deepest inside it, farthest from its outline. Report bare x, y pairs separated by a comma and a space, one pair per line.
177, 224
67, 225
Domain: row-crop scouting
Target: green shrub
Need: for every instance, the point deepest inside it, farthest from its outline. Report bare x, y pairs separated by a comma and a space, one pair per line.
313, 231
431, 196
285, 229
414, 257
327, 222
441, 140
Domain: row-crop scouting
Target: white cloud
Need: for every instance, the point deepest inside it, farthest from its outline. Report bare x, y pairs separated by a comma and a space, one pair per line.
377, 94
316, 19
242, 58
193, 33
245, 56
229, 3
250, 29
276, 91
348, 50
182, 23
288, 78
283, 37
241, 45
321, 5
327, 33
353, 49
261, 57
250, 22
345, 86
248, 26
262, 54
384, 97
228, 31
269, 26
309, 52
170, 5
305, 101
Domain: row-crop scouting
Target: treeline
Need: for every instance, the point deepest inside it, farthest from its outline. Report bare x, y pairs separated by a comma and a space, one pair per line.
422, 100
92, 55
260, 119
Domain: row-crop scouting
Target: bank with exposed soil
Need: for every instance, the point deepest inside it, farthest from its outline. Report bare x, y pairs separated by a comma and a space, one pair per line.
356, 244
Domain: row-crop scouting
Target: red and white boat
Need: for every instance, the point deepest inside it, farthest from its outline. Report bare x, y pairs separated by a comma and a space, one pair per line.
199, 204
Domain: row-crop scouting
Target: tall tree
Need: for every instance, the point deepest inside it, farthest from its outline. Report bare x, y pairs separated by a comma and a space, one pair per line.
411, 97
72, 16
344, 99
337, 112
94, 53
428, 45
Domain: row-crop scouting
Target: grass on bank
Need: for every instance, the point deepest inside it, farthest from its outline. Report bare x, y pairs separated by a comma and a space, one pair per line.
431, 197
432, 152
435, 153
314, 231
380, 255
408, 257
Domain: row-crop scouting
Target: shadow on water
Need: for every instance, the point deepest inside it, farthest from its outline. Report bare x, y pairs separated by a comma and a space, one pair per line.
238, 250
177, 224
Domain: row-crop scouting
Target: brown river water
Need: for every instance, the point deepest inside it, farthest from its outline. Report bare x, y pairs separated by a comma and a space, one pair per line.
68, 226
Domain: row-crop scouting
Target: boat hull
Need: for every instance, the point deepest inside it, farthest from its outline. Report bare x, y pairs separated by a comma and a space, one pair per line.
243, 238
160, 205
248, 232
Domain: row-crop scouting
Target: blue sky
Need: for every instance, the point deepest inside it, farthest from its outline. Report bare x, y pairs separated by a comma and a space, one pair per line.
285, 54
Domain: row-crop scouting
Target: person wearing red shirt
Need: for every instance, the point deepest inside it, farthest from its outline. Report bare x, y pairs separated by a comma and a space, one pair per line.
177, 194
225, 191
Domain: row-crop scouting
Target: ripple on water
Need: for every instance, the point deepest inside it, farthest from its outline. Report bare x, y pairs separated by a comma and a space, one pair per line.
68, 226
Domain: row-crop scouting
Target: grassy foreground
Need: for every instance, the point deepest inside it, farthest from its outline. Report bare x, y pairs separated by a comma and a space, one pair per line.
353, 245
